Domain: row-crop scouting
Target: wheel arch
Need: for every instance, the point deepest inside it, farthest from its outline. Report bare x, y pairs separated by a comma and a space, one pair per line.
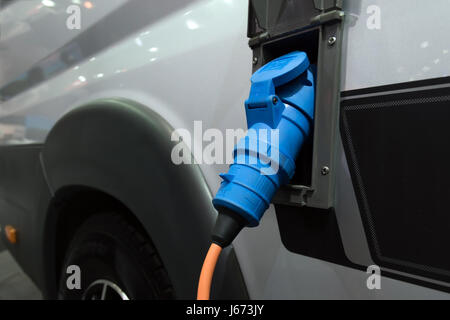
122, 149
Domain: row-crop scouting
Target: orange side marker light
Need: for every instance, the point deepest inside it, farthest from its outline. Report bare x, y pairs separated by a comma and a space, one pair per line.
11, 234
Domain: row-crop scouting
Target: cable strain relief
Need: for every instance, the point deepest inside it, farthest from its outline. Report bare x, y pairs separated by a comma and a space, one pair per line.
228, 225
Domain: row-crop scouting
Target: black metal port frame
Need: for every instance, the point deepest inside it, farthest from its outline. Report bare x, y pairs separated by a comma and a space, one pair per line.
326, 19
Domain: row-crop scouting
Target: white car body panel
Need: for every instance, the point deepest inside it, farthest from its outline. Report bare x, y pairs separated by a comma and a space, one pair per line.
195, 64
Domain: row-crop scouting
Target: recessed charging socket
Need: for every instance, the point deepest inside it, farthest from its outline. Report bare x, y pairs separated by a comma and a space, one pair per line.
314, 181
307, 42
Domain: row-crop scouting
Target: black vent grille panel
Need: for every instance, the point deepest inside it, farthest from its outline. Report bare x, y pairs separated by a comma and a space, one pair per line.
398, 148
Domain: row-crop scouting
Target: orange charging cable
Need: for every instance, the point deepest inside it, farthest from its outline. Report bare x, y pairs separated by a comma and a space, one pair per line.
204, 284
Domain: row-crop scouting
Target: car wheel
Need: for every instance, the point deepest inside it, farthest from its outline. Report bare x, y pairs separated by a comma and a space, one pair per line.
115, 261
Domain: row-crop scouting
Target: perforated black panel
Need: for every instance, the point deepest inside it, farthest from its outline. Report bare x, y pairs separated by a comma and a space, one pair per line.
398, 148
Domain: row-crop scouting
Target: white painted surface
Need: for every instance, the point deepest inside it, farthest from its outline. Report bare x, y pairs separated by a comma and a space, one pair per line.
411, 43
195, 65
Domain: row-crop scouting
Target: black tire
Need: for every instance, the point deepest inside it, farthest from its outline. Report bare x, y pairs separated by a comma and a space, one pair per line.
108, 248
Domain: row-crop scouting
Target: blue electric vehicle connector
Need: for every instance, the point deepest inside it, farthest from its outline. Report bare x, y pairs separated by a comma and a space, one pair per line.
280, 113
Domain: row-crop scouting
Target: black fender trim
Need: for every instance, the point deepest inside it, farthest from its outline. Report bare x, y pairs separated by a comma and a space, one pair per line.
123, 148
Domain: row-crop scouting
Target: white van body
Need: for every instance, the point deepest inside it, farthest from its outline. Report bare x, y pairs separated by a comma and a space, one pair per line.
189, 60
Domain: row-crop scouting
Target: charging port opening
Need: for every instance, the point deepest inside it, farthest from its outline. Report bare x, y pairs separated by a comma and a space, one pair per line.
308, 42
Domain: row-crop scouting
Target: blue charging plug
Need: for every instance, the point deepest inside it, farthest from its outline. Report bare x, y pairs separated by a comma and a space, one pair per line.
280, 113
